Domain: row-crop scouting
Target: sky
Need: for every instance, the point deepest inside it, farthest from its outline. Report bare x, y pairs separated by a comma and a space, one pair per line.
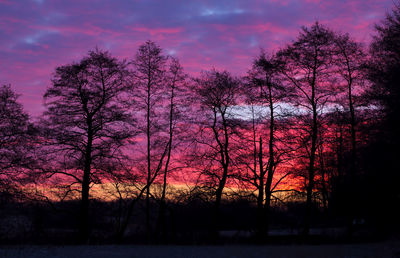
36, 36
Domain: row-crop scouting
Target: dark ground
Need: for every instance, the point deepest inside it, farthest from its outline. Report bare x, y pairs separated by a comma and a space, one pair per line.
390, 248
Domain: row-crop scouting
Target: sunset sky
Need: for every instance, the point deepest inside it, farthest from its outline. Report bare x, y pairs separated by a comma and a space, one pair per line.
38, 35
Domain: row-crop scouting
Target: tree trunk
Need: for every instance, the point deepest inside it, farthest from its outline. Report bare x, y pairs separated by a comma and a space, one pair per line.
260, 198
353, 151
339, 155
224, 155
84, 229
218, 198
162, 212
311, 173
314, 135
125, 222
323, 181
271, 161
148, 125
352, 118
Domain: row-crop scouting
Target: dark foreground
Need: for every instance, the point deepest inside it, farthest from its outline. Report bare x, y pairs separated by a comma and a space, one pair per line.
383, 249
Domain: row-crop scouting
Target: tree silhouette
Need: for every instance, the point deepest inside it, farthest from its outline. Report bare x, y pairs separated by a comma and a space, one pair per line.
216, 93
176, 78
85, 125
266, 91
14, 143
350, 59
149, 79
311, 130
380, 158
307, 65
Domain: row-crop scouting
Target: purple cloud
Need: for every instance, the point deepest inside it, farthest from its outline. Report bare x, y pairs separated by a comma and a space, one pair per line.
38, 35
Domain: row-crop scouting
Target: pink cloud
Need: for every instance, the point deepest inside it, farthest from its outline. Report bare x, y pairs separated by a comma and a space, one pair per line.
36, 38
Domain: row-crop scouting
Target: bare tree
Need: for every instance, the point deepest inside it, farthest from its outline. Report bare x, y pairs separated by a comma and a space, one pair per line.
85, 126
176, 78
155, 89
269, 94
217, 93
307, 68
149, 79
350, 59
14, 142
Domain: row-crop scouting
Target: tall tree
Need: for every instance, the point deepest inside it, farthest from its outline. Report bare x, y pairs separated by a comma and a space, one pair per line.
307, 69
217, 93
85, 125
14, 152
149, 78
267, 92
176, 79
155, 89
350, 59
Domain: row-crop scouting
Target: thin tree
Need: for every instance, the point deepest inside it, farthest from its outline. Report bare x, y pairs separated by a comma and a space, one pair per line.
269, 93
216, 92
176, 79
149, 76
350, 59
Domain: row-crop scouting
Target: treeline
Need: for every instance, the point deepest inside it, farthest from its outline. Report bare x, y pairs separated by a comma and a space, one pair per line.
314, 124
